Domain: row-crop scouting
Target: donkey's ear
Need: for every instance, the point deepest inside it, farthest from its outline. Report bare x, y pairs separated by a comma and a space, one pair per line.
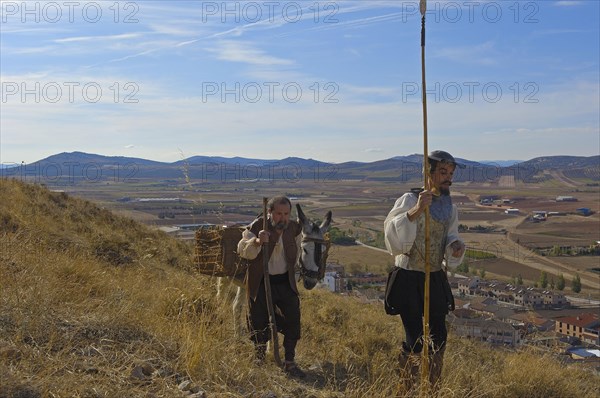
301, 216
326, 222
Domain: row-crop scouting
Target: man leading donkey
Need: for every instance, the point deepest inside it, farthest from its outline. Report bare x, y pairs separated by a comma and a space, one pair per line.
282, 237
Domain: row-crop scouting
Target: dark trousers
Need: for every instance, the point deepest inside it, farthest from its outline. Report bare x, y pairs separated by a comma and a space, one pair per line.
413, 328
411, 287
287, 307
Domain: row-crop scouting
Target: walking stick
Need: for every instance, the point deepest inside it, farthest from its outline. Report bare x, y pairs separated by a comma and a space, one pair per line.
272, 323
427, 183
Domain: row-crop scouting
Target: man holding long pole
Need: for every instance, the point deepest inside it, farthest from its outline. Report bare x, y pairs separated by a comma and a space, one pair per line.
405, 238
420, 237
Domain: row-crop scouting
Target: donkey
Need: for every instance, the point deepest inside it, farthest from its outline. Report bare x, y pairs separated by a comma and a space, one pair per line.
310, 266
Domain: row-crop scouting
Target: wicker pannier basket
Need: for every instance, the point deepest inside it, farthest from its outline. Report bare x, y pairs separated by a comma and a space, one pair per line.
216, 252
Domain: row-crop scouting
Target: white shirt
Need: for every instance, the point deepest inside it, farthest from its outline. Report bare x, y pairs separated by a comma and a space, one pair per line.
400, 232
249, 250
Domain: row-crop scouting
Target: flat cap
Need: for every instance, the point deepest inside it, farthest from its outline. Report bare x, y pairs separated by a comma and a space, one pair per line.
445, 157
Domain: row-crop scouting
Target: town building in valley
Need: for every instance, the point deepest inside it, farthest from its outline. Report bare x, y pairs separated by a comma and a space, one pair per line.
585, 327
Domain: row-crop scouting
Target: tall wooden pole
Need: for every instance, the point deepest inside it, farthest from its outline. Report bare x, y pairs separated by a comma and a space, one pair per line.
272, 323
427, 184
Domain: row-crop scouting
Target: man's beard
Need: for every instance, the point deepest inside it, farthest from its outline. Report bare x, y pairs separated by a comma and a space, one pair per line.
446, 191
281, 225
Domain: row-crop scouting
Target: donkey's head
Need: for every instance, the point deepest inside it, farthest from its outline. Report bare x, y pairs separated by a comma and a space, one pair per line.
313, 248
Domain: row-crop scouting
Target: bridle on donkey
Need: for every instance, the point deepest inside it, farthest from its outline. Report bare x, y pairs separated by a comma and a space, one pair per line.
320, 258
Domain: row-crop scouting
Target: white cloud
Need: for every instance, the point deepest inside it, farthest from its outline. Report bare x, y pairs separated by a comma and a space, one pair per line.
475, 54
544, 132
174, 28
353, 51
30, 50
245, 52
355, 23
99, 38
568, 3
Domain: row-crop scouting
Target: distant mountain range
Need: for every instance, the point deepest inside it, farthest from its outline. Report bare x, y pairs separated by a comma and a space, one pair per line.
74, 166
502, 163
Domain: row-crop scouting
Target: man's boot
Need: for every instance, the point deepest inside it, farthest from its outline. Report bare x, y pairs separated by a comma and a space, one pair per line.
409, 369
436, 362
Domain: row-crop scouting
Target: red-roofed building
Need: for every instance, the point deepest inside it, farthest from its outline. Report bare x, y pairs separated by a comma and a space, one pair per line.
585, 327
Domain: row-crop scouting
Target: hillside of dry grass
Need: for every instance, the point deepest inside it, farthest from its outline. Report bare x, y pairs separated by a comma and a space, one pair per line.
95, 305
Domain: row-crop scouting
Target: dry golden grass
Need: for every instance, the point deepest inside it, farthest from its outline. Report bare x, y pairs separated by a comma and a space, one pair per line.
88, 298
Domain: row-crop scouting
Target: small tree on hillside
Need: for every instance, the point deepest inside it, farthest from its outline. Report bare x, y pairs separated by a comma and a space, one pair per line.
340, 237
543, 280
463, 268
482, 273
519, 280
560, 285
552, 283
576, 284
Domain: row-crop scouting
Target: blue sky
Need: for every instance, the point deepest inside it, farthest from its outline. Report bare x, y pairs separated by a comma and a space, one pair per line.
329, 80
